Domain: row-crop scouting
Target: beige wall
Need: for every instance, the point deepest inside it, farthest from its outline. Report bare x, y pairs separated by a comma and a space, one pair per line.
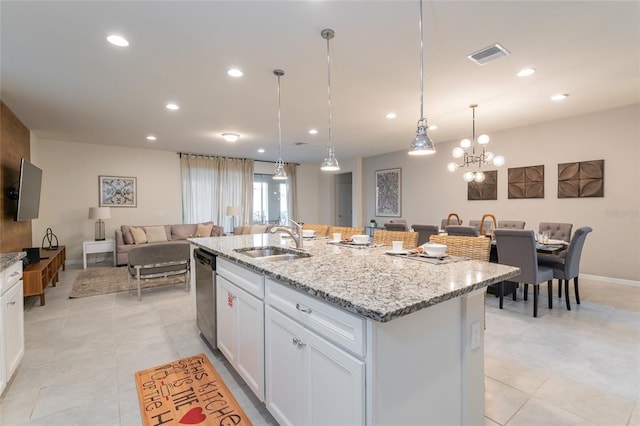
70, 187
430, 192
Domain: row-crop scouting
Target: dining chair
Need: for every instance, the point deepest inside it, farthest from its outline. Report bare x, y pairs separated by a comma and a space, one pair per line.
452, 219
396, 226
321, 230
517, 248
462, 230
471, 247
511, 224
557, 230
424, 232
409, 239
345, 231
568, 267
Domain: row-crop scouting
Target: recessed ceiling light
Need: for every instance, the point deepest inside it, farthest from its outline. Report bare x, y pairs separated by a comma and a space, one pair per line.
172, 106
234, 72
151, 138
432, 127
559, 97
391, 115
230, 137
526, 72
313, 132
117, 40
261, 150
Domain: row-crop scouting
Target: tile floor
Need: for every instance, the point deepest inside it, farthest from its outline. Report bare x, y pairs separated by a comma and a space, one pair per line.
564, 368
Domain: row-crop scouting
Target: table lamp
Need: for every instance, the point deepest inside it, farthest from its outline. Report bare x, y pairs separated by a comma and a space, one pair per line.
233, 211
99, 213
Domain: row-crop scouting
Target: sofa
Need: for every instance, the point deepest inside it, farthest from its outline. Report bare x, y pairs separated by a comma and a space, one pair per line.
256, 228
128, 237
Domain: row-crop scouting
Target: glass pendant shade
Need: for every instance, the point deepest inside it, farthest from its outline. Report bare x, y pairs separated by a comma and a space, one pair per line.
488, 156
330, 163
422, 145
457, 152
452, 167
279, 173
498, 161
465, 143
468, 176
483, 139
478, 177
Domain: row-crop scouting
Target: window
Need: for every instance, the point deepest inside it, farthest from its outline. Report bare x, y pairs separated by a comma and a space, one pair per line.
270, 200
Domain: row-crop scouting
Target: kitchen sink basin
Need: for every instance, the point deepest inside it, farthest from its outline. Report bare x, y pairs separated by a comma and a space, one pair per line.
272, 254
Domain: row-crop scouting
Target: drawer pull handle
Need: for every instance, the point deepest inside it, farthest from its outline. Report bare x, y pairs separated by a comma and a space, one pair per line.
301, 309
298, 342
15, 274
13, 302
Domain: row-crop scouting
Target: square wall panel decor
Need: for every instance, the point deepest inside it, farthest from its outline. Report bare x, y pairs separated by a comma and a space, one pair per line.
487, 190
526, 182
581, 179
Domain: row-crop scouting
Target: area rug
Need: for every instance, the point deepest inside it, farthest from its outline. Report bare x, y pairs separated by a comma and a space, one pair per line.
187, 391
96, 281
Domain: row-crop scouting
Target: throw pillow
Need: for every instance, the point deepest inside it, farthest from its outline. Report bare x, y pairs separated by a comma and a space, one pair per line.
258, 229
246, 229
139, 237
155, 234
126, 234
204, 230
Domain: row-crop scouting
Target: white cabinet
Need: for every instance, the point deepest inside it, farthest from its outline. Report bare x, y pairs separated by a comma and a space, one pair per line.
310, 380
11, 322
240, 322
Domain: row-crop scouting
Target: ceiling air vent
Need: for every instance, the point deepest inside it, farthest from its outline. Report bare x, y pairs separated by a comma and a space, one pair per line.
488, 54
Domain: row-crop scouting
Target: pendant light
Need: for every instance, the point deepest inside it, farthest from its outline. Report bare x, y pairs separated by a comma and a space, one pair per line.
422, 145
330, 163
279, 174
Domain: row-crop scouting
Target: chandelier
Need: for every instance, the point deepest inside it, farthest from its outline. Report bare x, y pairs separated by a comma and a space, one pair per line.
474, 155
330, 162
280, 173
421, 144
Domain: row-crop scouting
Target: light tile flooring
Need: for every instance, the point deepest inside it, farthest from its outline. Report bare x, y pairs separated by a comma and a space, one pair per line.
564, 368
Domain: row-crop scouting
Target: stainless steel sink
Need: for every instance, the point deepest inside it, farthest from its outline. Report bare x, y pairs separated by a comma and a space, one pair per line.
272, 254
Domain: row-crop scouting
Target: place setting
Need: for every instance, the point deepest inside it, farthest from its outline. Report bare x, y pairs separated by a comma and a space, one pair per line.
356, 241
429, 252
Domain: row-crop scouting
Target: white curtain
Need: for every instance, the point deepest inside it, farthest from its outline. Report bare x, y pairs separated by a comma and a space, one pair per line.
211, 184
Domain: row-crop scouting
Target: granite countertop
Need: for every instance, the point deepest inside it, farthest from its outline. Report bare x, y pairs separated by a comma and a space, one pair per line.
364, 281
7, 259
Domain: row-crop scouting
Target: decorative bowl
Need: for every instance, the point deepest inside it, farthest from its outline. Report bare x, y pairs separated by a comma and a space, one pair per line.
308, 232
434, 249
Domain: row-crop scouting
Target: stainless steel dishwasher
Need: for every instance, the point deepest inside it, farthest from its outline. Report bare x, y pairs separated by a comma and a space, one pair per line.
206, 295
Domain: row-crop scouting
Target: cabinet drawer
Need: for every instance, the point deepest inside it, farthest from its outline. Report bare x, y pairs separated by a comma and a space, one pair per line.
344, 329
249, 281
10, 276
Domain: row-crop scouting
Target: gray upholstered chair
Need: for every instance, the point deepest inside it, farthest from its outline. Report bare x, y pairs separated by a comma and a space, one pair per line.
568, 267
511, 224
424, 232
452, 219
488, 225
518, 248
557, 231
462, 230
396, 225
158, 261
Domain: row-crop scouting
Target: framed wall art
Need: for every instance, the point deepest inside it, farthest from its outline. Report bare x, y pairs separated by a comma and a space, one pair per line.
526, 182
388, 192
581, 179
117, 191
485, 190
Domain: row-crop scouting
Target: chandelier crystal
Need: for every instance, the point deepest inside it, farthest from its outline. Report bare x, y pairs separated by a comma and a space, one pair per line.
280, 173
421, 144
473, 154
330, 162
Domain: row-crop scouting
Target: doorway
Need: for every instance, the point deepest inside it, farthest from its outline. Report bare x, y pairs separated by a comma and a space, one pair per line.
344, 211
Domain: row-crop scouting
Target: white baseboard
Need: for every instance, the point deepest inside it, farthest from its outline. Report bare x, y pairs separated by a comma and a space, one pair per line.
611, 280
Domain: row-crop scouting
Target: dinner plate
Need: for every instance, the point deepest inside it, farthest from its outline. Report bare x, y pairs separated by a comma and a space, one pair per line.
550, 241
396, 253
432, 256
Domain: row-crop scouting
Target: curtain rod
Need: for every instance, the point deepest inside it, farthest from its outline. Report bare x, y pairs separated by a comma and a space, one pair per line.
180, 154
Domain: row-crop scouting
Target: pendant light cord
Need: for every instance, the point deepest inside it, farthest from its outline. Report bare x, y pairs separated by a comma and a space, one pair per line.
279, 126
329, 88
421, 66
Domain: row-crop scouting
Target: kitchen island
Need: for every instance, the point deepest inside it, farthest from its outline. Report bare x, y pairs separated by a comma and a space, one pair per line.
355, 336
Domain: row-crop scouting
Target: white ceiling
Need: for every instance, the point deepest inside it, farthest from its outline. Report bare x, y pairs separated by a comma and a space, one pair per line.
65, 82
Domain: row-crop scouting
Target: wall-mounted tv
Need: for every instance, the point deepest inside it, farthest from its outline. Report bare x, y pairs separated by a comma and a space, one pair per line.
28, 191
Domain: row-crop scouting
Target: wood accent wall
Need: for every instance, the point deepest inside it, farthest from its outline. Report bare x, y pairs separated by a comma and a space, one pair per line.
14, 145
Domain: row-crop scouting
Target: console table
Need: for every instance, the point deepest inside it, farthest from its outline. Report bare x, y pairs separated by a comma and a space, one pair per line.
37, 276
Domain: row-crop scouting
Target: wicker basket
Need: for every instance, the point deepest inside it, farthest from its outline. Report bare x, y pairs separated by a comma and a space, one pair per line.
477, 248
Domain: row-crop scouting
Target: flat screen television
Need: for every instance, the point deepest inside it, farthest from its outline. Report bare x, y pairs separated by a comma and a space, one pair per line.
28, 191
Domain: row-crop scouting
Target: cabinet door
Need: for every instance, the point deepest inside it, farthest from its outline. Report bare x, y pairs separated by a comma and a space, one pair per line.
227, 319
335, 391
250, 343
13, 323
283, 365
